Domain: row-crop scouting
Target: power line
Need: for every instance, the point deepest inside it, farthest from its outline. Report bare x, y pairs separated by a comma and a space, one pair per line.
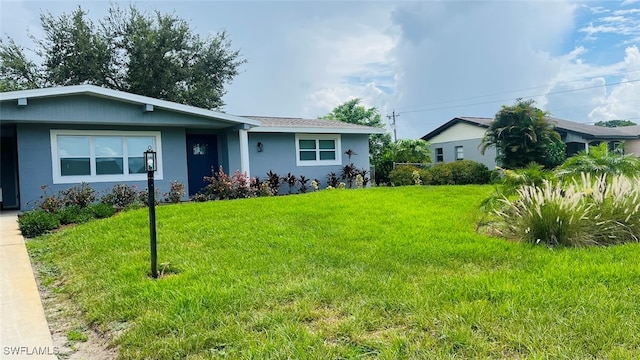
528, 96
524, 89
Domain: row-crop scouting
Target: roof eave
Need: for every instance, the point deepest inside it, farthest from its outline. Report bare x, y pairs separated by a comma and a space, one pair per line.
315, 130
126, 97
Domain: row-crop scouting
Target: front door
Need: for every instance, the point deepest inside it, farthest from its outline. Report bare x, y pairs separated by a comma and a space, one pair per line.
202, 160
9, 196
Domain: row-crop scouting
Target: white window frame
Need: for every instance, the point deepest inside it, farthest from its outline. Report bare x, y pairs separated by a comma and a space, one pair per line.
461, 152
93, 178
317, 137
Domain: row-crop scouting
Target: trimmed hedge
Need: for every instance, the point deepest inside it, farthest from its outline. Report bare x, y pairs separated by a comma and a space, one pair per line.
37, 222
463, 172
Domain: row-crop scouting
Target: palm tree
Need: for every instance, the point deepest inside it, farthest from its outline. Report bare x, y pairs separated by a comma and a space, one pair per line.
521, 135
600, 161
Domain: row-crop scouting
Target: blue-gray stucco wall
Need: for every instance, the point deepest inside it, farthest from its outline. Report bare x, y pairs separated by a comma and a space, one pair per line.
279, 156
35, 168
471, 152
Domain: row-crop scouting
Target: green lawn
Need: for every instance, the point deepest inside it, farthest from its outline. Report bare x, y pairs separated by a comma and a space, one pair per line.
378, 273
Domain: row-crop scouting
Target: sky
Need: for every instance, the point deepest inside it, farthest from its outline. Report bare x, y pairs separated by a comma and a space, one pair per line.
427, 61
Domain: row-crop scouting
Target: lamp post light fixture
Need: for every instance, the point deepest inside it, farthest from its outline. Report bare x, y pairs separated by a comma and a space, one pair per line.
150, 163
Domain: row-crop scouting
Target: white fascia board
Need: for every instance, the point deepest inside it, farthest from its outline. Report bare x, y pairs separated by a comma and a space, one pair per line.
315, 130
127, 97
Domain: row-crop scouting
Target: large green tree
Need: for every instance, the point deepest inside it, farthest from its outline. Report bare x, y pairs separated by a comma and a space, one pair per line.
354, 113
615, 123
416, 151
155, 55
522, 134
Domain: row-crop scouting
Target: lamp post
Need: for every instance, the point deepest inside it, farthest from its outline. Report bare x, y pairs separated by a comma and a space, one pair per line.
151, 166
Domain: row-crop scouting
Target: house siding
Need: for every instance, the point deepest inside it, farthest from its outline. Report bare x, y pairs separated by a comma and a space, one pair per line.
84, 109
632, 147
281, 146
471, 152
35, 167
458, 132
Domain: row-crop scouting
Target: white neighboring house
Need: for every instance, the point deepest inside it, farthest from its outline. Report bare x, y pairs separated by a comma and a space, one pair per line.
460, 137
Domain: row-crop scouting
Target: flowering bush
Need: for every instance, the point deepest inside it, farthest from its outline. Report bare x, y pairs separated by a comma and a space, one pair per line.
223, 187
121, 196
48, 201
176, 192
80, 195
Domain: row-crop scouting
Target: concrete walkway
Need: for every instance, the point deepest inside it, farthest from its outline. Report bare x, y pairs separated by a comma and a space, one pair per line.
24, 332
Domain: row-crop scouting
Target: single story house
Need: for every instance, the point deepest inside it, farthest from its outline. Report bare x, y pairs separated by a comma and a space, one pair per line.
460, 137
63, 136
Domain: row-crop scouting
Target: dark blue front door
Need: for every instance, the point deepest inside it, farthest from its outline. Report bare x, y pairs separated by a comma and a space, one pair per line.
202, 160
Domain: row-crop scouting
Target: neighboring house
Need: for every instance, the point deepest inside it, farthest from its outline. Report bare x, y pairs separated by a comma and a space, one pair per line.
64, 136
460, 137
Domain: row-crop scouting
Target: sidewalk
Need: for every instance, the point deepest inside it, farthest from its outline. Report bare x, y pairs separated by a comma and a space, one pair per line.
24, 333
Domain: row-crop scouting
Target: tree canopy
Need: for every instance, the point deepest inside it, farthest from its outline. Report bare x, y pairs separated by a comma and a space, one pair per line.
522, 134
354, 113
615, 123
155, 55
411, 151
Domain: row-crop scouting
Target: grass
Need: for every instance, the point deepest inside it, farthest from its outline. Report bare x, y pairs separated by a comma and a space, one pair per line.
379, 273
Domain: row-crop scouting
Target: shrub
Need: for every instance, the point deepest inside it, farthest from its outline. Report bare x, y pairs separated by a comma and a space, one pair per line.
332, 180
74, 214
402, 175
37, 222
121, 196
290, 180
440, 174
101, 211
49, 202
461, 172
274, 182
303, 180
142, 199
80, 195
224, 187
176, 192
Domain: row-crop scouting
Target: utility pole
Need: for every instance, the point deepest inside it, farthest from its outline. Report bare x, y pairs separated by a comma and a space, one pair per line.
393, 117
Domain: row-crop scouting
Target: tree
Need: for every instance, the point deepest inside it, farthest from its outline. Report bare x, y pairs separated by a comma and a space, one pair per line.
521, 135
600, 160
411, 151
354, 113
153, 55
615, 123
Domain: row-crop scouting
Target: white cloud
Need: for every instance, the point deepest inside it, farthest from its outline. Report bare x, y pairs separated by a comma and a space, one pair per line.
623, 101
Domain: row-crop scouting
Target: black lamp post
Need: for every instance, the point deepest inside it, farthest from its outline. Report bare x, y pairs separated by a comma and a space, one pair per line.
151, 166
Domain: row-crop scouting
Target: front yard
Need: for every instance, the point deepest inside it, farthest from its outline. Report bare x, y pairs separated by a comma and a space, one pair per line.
381, 273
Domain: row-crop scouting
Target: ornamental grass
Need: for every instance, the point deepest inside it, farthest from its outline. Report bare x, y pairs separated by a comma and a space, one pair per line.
587, 210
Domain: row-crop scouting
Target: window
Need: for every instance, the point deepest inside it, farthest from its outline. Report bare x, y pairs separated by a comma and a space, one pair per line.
100, 156
459, 153
439, 155
315, 150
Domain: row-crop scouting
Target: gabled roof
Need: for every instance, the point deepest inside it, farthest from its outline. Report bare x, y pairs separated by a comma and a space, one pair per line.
477, 121
587, 131
124, 97
288, 124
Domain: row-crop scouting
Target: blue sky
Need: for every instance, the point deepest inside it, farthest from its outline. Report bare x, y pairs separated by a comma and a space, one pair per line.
428, 60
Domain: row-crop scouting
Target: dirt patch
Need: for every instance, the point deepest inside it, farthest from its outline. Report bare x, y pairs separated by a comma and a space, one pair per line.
74, 338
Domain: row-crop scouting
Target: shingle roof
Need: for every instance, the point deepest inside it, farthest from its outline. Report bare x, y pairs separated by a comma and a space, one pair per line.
590, 131
286, 124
